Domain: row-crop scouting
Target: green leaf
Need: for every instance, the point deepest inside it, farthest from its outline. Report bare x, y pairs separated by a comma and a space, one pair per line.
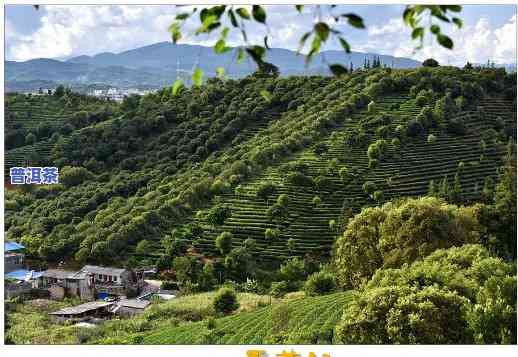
266, 95
174, 29
303, 40
256, 52
435, 29
218, 10
408, 16
224, 33
345, 45
452, 8
182, 16
258, 13
197, 77
178, 84
299, 8
445, 41
220, 72
338, 69
315, 47
243, 13
418, 32
232, 17
240, 55
322, 30
354, 20
210, 22
204, 13
220, 47
457, 22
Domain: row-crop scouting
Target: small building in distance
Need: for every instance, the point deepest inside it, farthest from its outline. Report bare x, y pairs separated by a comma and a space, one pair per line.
84, 312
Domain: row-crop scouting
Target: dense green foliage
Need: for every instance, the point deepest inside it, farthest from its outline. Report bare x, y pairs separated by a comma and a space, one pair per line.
400, 232
457, 295
219, 185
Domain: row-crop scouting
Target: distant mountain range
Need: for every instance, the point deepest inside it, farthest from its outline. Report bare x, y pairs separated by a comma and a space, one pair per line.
158, 65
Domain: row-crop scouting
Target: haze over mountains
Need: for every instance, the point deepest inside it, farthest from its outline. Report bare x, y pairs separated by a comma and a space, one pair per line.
157, 65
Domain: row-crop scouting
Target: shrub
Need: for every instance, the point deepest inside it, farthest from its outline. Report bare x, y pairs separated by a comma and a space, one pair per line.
73, 176
271, 234
430, 62
224, 242
369, 187
431, 139
299, 179
225, 301
456, 126
279, 289
320, 283
414, 128
283, 200
323, 183
291, 244
404, 315
455, 295
343, 173
398, 233
266, 189
293, 270
378, 195
218, 214
320, 148
143, 247
316, 201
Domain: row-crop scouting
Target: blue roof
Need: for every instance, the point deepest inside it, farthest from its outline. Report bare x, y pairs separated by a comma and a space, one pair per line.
12, 246
22, 274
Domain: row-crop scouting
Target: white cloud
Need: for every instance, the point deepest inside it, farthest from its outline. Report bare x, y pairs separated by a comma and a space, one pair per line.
75, 30
476, 43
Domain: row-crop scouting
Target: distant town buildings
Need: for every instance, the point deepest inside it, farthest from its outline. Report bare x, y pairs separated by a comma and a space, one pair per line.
118, 94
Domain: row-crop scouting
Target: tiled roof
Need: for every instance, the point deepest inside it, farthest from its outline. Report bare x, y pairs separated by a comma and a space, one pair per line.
102, 270
134, 303
57, 273
73, 310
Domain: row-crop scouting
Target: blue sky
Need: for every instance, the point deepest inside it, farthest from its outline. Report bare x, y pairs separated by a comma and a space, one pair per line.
62, 31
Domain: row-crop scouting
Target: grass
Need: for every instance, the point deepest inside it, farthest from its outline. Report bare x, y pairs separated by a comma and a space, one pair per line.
29, 323
299, 320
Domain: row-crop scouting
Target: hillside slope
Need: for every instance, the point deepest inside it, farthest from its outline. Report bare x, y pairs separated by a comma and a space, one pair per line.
159, 171
303, 321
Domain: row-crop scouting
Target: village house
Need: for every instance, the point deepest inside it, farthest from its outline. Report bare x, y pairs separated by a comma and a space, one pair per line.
83, 312
92, 282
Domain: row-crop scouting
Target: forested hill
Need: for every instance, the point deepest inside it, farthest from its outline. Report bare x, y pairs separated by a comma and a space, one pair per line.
264, 165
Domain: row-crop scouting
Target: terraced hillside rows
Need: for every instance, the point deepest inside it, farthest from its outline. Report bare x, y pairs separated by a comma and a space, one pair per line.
407, 172
46, 118
169, 159
305, 321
